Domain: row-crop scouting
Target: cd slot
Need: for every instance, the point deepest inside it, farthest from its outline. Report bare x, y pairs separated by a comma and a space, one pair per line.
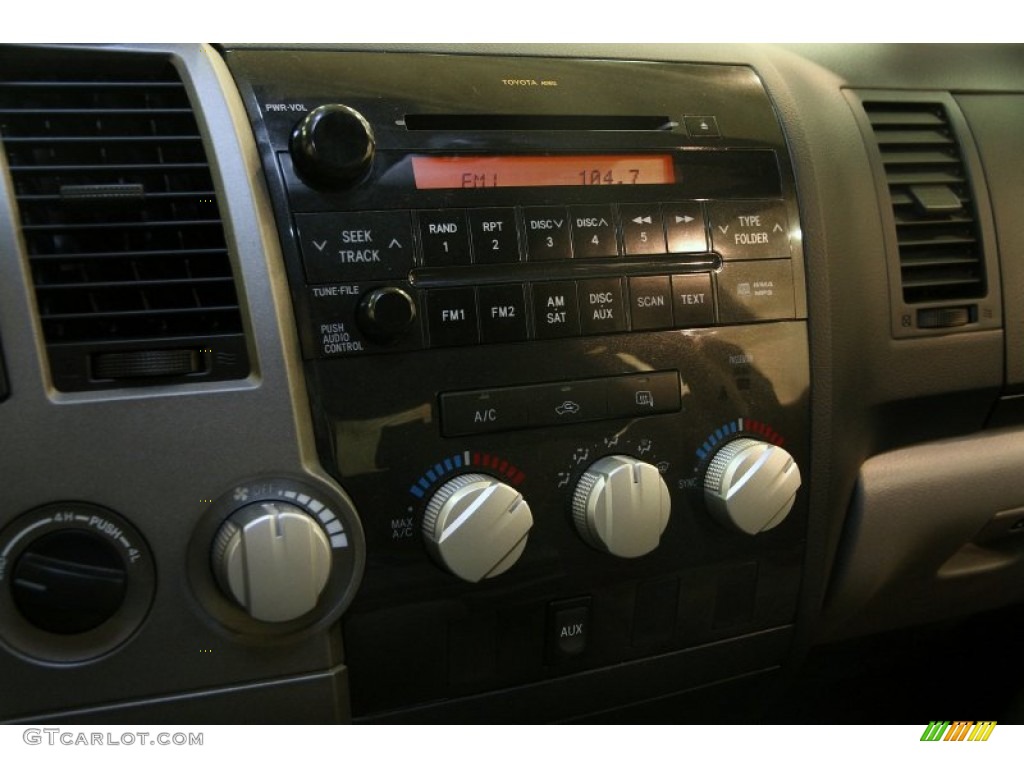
469, 122
496, 274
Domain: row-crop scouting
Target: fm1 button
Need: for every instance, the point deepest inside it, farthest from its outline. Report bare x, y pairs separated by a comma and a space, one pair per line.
451, 317
474, 413
568, 629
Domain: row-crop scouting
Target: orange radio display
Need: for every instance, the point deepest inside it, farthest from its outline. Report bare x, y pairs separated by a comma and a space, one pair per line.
479, 172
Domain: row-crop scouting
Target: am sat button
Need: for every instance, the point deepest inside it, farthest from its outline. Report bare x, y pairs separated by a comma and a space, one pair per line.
555, 310
472, 413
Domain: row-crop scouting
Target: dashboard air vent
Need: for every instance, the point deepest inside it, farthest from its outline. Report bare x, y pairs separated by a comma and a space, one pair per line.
937, 234
120, 220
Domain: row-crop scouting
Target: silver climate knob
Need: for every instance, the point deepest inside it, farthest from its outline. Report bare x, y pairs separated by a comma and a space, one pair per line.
476, 526
621, 506
751, 485
272, 559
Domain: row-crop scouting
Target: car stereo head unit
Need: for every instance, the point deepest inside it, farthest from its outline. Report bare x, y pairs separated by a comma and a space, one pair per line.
554, 321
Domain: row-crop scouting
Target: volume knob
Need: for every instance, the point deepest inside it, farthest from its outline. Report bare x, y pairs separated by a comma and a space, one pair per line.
621, 506
476, 526
751, 485
332, 147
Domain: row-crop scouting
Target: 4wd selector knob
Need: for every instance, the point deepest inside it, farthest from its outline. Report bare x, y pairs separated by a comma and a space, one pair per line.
273, 559
332, 147
476, 526
621, 506
751, 485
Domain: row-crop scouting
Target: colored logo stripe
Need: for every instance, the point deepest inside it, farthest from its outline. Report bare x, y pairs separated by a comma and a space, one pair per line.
960, 730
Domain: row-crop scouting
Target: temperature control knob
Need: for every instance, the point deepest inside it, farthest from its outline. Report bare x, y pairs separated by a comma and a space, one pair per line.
476, 526
273, 559
621, 506
332, 147
751, 485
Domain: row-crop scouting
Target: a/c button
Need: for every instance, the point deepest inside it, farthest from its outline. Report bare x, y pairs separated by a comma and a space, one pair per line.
472, 413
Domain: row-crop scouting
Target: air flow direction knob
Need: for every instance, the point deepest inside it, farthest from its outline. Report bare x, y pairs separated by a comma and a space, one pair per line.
751, 485
273, 559
332, 147
476, 527
621, 506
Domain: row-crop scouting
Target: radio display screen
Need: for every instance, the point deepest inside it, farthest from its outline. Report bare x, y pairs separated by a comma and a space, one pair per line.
479, 172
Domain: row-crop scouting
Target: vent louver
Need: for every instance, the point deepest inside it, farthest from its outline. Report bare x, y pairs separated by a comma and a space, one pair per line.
120, 220
940, 253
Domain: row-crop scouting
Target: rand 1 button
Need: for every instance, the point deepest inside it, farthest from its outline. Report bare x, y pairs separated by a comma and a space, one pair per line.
601, 306
566, 402
502, 313
472, 413
757, 229
643, 394
547, 233
495, 236
684, 228
650, 302
344, 247
445, 237
749, 291
593, 231
642, 231
555, 310
693, 301
452, 317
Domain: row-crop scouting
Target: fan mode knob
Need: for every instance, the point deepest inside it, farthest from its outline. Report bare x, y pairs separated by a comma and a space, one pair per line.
272, 559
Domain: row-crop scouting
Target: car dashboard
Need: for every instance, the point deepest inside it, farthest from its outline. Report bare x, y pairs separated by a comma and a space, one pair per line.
436, 384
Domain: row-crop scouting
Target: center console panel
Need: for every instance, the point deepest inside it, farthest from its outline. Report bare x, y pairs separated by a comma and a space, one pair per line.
553, 317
